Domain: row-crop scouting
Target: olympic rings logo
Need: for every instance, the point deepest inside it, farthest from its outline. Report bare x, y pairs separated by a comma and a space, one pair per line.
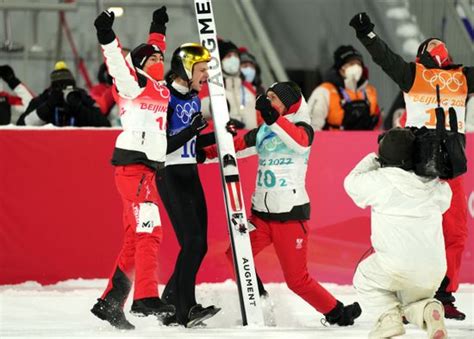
186, 111
451, 81
272, 144
163, 90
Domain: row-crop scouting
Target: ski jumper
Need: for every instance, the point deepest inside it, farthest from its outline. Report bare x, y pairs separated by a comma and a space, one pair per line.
140, 150
183, 197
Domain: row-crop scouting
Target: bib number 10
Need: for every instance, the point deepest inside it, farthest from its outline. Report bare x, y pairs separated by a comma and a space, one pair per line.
268, 179
189, 149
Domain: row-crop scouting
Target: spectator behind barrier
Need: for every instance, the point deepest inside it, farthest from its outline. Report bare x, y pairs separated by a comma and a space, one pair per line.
63, 104
102, 93
240, 94
250, 70
11, 106
346, 101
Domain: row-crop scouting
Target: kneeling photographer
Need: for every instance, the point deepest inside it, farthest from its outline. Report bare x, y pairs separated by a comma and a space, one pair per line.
433, 87
63, 104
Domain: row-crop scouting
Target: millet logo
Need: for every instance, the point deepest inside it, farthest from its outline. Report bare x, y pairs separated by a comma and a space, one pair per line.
147, 224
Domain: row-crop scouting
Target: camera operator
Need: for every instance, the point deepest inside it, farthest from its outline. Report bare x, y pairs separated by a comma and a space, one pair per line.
63, 104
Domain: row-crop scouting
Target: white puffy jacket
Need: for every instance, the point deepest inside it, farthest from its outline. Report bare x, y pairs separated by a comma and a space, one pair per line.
407, 210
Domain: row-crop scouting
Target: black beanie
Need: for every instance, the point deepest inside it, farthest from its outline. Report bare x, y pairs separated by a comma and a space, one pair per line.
345, 53
225, 47
396, 148
62, 78
141, 54
288, 92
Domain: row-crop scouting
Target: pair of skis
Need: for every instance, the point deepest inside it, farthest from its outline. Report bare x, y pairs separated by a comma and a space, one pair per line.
236, 217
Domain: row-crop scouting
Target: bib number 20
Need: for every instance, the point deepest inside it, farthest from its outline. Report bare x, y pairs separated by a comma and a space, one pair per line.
268, 179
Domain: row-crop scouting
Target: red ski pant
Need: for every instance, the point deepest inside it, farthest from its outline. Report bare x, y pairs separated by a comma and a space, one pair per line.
138, 258
290, 240
455, 231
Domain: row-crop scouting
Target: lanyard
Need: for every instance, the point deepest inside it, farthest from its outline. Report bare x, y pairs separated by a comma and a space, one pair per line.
242, 100
58, 115
346, 96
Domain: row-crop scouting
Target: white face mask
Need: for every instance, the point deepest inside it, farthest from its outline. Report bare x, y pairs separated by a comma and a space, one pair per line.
249, 73
353, 73
231, 65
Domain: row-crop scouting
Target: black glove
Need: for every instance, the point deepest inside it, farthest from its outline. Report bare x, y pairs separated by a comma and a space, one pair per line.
269, 114
103, 24
236, 124
343, 315
198, 123
231, 126
200, 156
7, 74
55, 98
160, 18
362, 24
46, 110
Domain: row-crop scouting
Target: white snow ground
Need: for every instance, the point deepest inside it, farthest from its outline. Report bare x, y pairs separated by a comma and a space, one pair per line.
62, 311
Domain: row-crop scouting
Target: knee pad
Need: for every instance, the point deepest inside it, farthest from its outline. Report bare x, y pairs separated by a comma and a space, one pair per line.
148, 217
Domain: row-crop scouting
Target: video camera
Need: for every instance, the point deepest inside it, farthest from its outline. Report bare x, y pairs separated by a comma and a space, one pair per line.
68, 90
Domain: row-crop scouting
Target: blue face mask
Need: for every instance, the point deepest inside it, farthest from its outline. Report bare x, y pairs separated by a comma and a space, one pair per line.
248, 73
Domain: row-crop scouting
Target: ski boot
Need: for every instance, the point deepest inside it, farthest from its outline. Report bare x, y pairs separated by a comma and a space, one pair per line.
197, 314
152, 306
111, 311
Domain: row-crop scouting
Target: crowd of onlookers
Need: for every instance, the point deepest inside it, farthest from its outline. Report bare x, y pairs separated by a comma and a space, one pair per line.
345, 100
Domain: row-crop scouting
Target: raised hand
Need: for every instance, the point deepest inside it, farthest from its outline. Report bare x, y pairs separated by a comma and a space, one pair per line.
160, 17
8, 75
362, 24
103, 24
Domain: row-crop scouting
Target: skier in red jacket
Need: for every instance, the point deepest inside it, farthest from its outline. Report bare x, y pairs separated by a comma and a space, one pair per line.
140, 151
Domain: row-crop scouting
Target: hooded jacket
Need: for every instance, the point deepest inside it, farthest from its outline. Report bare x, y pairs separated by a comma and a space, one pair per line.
406, 226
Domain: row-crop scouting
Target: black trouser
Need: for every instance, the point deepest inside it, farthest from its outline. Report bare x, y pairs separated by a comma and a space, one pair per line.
182, 194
